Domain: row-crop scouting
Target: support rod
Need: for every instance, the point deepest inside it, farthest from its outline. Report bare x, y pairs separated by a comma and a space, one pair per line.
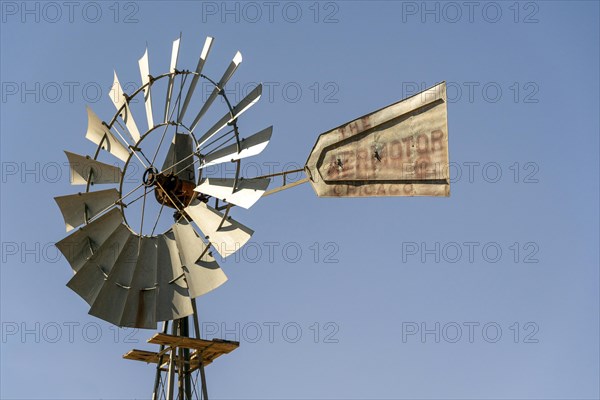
292, 171
283, 187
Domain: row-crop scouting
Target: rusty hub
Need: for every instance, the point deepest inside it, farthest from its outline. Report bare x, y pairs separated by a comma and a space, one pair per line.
170, 189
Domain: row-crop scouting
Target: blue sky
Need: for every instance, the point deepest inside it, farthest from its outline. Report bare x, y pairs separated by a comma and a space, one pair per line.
491, 293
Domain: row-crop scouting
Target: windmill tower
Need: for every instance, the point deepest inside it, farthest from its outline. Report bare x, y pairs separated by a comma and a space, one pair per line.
143, 250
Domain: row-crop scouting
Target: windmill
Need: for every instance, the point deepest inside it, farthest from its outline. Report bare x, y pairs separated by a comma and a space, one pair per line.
137, 264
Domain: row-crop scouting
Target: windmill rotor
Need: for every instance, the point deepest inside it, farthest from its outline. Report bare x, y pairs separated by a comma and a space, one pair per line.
115, 249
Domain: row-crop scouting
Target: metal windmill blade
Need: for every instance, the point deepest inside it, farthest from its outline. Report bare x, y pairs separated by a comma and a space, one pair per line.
85, 242
201, 61
78, 209
231, 115
247, 147
225, 234
218, 89
146, 86
177, 159
174, 299
92, 275
109, 304
100, 133
119, 99
246, 193
202, 273
172, 70
85, 170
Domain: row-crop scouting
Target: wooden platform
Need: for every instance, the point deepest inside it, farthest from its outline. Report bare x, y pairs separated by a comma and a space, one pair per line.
203, 350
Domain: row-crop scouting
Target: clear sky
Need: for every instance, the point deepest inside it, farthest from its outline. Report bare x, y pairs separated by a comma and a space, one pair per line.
491, 293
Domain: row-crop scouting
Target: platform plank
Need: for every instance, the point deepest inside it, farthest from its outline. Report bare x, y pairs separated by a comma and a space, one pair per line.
216, 345
203, 350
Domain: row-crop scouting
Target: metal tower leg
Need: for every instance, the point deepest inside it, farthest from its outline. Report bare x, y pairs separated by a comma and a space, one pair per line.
187, 383
157, 380
171, 372
201, 367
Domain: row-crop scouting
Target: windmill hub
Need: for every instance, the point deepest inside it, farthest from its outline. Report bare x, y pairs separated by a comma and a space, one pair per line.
170, 190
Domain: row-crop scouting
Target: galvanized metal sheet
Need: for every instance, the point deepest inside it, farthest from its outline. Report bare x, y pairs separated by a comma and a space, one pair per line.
179, 159
79, 207
140, 306
202, 273
174, 55
117, 96
110, 302
189, 245
173, 300
400, 150
145, 74
96, 131
81, 166
249, 146
247, 193
79, 246
173, 67
247, 102
237, 59
90, 278
194, 82
226, 240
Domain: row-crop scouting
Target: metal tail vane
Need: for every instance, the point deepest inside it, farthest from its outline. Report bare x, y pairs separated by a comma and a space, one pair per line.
132, 276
